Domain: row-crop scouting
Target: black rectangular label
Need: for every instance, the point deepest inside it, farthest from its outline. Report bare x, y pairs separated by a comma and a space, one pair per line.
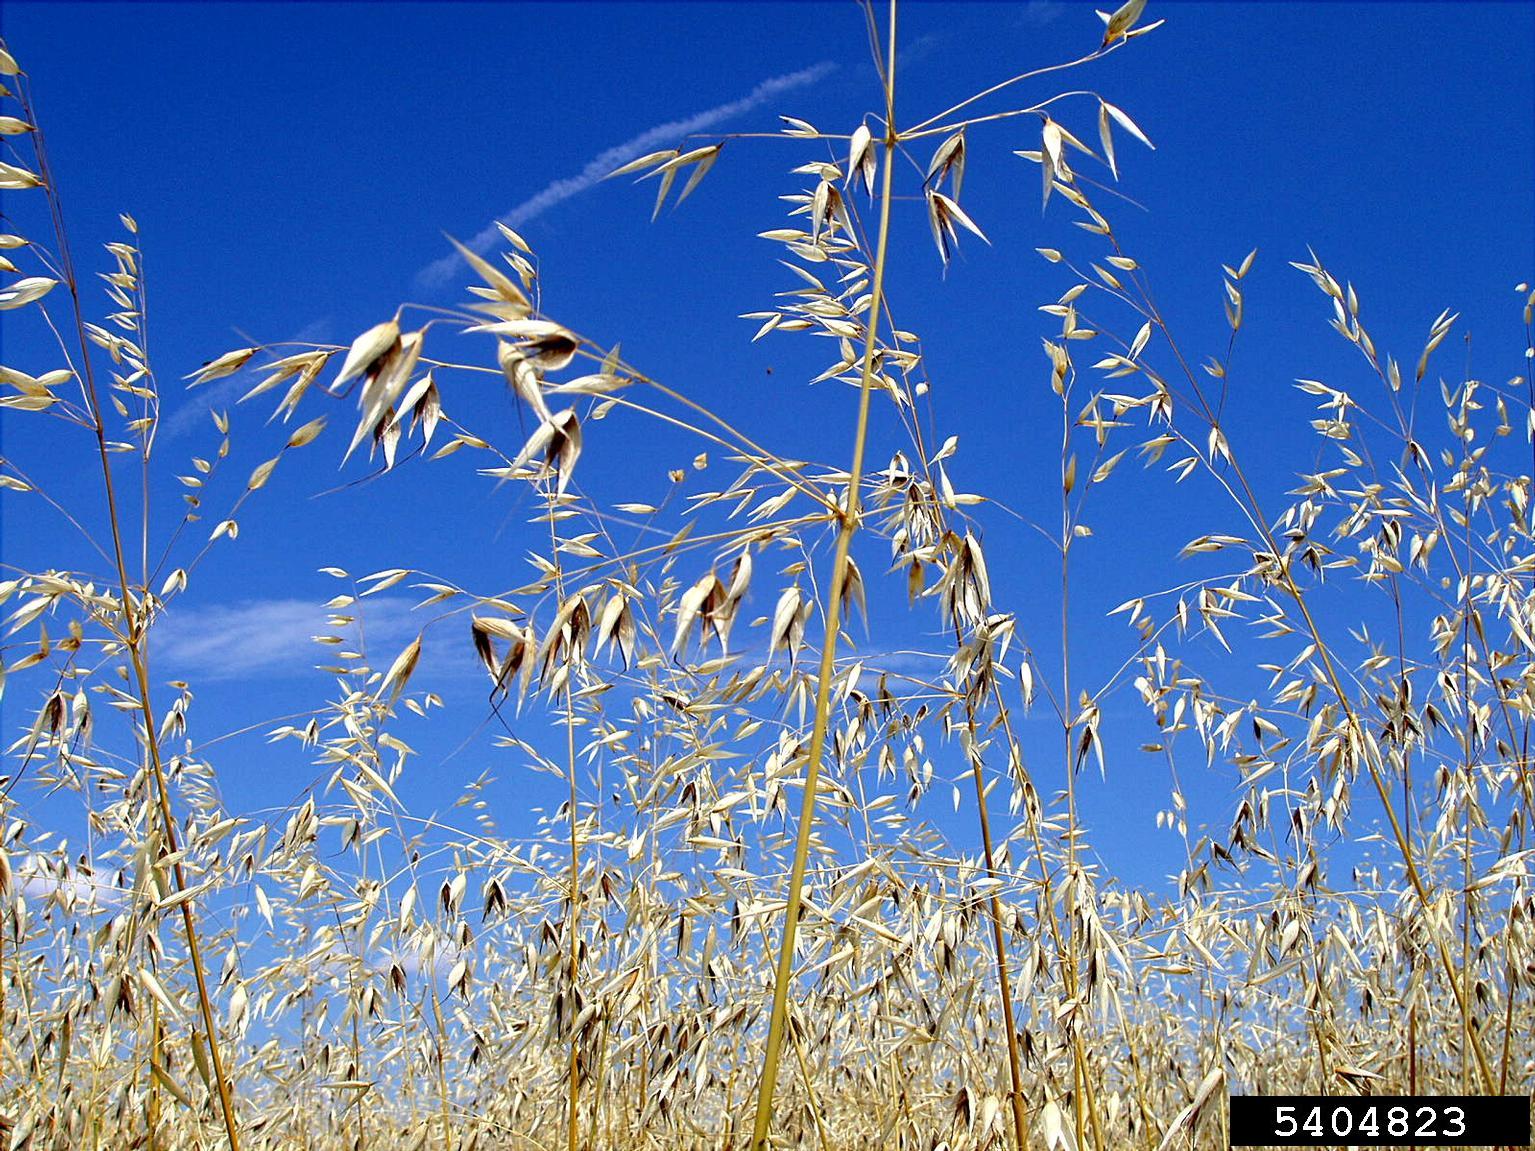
1380, 1120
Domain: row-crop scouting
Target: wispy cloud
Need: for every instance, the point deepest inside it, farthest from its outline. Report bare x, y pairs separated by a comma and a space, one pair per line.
195, 405
268, 636
72, 890
413, 958
1042, 12
919, 49
599, 166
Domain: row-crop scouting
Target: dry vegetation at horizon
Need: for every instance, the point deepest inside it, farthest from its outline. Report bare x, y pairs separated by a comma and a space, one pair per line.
740, 931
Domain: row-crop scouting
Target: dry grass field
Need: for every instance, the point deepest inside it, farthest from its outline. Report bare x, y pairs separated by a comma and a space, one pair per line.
743, 928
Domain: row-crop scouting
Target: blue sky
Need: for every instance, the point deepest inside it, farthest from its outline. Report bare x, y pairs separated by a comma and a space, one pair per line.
293, 168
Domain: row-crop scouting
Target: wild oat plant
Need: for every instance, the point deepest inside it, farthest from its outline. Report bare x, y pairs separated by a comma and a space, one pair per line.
744, 929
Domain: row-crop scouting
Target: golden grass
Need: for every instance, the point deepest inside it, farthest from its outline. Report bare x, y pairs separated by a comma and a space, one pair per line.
661, 963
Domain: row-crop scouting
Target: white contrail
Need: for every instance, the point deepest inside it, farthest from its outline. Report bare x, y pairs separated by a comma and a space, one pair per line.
439, 271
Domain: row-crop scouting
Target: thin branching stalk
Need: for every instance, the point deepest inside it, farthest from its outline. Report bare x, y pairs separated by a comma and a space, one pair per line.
1367, 748
784, 974
134, 637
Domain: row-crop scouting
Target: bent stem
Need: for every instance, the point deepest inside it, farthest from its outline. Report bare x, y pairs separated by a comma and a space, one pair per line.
135, 629
848, 525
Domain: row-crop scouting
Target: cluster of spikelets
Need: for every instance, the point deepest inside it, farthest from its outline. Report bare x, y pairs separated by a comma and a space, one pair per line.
744, 926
